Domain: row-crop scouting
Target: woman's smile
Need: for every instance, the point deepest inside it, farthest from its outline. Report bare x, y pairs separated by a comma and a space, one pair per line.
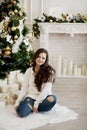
41, 59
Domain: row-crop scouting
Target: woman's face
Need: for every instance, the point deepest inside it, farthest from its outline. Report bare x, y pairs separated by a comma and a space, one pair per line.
40, 60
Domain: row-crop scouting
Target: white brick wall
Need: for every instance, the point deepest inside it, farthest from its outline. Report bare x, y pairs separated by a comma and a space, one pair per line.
71, 48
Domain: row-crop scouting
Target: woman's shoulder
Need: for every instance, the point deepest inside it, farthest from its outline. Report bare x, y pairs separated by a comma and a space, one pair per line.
29, 70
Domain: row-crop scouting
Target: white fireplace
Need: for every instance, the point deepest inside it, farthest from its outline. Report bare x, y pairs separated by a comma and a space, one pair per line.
67, 46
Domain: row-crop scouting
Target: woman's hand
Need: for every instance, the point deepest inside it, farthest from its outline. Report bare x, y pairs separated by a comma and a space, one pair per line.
35, 109
16, 104
15, 107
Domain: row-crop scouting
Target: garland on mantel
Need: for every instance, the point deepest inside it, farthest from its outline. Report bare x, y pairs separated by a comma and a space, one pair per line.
65, 18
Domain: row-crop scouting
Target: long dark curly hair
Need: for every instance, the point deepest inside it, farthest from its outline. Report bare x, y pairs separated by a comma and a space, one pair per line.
45, 73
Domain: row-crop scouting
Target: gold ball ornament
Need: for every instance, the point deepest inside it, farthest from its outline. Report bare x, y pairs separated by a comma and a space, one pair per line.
7, 52
74, 21
13, 28
15, 11
14, 2
7, 48
51, 21
16, 37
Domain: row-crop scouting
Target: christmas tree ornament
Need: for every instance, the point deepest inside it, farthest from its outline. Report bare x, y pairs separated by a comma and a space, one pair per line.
6, 51
15, 11
13, 28
15, 37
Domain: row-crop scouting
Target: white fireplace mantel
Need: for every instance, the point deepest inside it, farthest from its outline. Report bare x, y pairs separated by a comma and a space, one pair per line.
67, 28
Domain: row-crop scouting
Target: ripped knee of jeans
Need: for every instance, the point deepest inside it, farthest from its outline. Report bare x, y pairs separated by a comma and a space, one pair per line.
30, 106
52, 98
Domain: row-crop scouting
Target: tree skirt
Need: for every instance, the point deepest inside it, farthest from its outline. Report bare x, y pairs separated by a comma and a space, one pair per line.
10, 121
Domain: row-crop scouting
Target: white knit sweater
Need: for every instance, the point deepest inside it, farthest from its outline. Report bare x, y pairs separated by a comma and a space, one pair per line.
29, 89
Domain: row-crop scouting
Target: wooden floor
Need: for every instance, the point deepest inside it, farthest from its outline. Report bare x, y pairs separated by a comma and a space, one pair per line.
73, 94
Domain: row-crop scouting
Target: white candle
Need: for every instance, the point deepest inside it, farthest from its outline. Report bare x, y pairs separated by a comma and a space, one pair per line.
70, 67
59, 65
83, 70
64, 67
86, 71
79, 71
75, 70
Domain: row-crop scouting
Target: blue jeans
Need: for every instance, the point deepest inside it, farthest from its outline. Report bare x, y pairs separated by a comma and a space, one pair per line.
24, 108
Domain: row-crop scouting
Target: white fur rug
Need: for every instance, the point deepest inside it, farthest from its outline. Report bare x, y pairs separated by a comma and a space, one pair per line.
10, 121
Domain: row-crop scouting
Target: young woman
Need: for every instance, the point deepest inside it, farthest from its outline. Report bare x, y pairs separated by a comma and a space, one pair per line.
36, 94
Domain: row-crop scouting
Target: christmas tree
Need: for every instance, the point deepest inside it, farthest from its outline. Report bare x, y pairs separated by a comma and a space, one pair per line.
16, 49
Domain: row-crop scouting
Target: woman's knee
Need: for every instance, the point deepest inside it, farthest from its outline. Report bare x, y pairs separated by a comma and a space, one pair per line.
24, 110
52, 98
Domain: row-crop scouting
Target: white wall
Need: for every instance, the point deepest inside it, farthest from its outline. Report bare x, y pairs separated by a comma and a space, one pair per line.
72, 6
35, 8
